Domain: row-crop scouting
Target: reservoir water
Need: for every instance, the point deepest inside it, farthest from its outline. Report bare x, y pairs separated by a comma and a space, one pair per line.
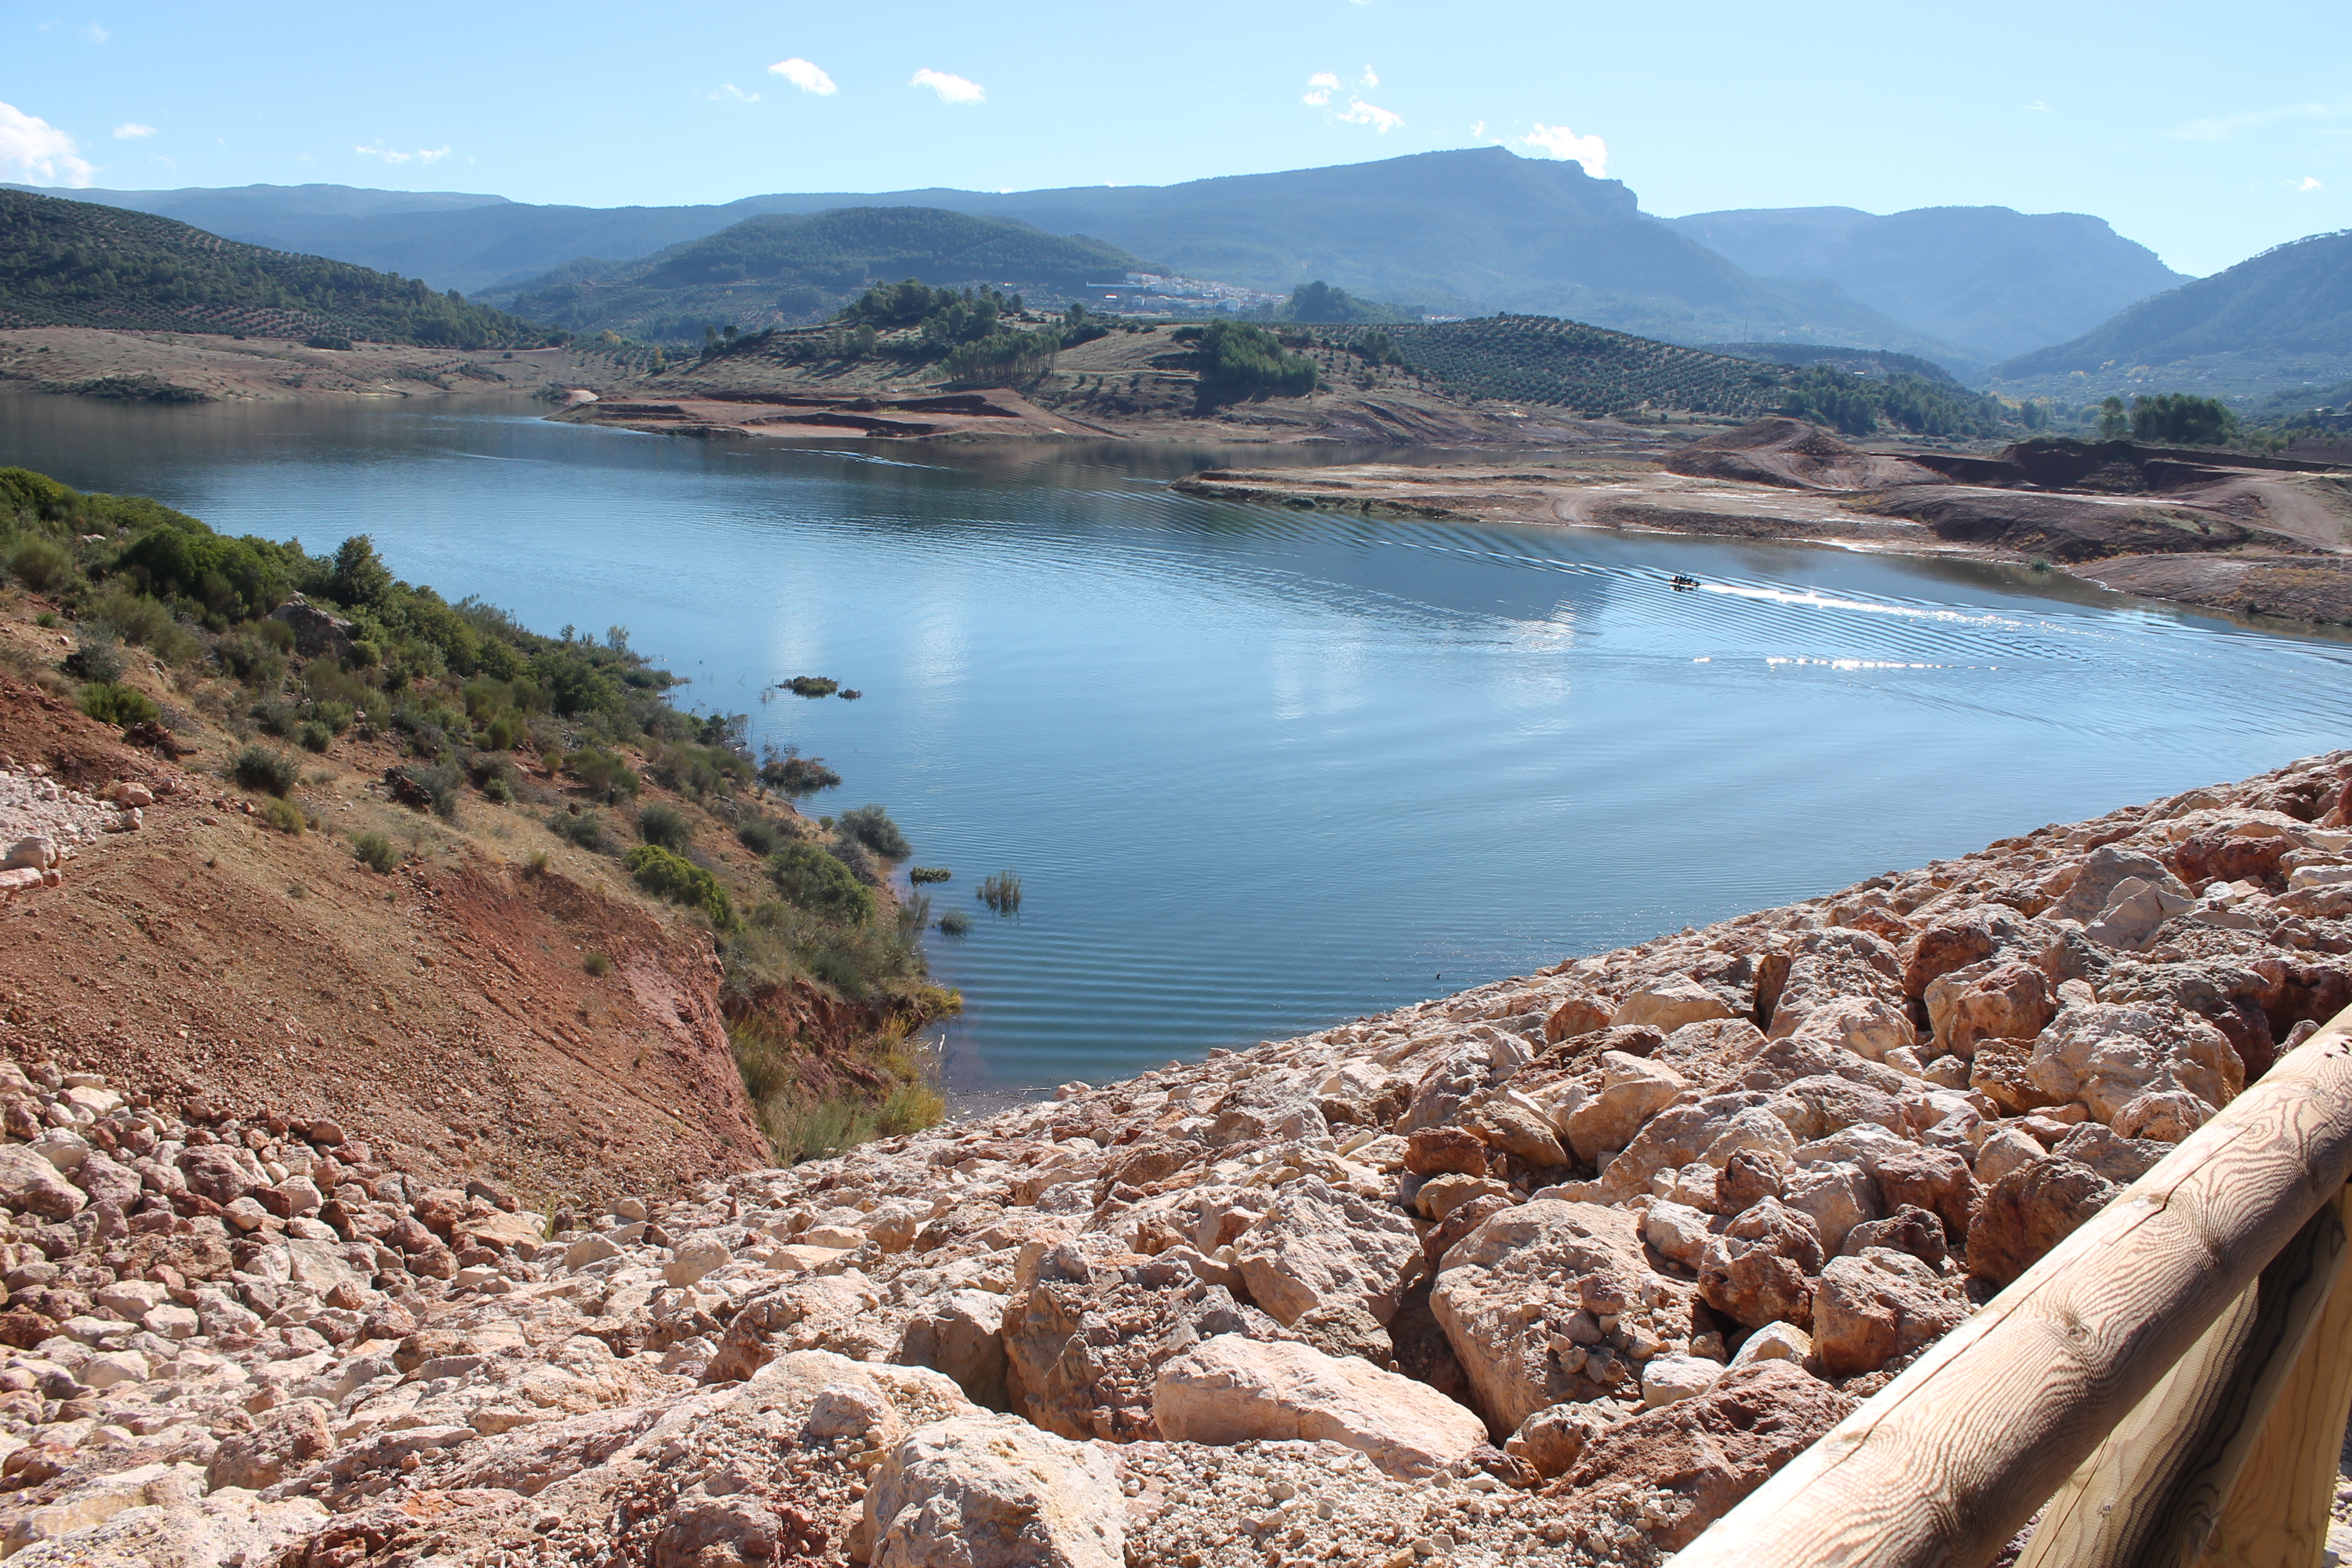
1261, 770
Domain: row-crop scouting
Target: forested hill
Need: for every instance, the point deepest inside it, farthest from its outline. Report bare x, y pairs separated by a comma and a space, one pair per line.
2282, 319
781, 271
78, 264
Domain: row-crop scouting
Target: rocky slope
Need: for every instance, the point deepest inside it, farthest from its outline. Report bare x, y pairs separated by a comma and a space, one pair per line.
1559, 1268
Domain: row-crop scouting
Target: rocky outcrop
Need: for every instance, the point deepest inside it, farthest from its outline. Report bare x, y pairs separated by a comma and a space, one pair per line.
1496, 1275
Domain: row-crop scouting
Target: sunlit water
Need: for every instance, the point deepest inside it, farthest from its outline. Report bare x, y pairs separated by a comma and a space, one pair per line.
1262, 770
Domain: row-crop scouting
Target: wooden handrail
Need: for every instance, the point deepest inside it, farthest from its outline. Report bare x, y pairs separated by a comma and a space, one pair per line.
1947, 1463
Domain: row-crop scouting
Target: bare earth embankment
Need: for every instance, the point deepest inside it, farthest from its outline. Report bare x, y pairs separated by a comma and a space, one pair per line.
215, 367
2252, 540
1556, 1269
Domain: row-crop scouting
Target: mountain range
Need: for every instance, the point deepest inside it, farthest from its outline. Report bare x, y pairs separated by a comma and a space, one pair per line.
1995, 281
2051, 304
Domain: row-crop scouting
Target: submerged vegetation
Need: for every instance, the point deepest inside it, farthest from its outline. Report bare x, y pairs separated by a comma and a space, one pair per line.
1001, 891
313, 648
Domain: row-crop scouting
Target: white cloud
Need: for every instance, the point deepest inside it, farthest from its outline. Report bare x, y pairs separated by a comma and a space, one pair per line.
1359, 113
96, 34
1324, 85
131, 130
2308, 184
2038, 107
952, 89
38, 151
1559, 142
729, 92
2220, 128
805, 75
421, 155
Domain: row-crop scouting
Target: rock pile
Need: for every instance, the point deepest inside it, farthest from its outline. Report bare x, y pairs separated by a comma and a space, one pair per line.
1561, 1268
42, 822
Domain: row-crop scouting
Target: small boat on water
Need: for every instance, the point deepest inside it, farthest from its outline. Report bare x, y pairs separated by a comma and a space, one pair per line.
1679, 581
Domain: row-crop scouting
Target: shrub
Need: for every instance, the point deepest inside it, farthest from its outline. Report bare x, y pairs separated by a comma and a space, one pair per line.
789, 773
134, 617
955, 922
260, 767
597, 965
536, 864
872, 826
375, 852
607, 774
816, 880
315, 736
284, 816
918, 875
1002, 892
498, 792
812, 686
665, 825
759, 835
681, 881
110, 703
586, 830
96, 655
39, 563
440, 782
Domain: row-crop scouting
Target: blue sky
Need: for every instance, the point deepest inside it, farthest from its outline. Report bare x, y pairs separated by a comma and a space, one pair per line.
2205, 134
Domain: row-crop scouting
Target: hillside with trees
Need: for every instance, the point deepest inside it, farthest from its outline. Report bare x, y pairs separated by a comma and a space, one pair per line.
78, 264
792, 270
2279, 320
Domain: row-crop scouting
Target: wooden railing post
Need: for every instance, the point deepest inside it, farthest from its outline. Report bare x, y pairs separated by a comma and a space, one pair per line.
2153, 1492
1944, 1466
2277, 1516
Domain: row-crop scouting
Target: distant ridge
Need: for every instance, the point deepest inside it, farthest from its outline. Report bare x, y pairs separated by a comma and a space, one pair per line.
781, 269
1992, 280
2280, 319
70, 263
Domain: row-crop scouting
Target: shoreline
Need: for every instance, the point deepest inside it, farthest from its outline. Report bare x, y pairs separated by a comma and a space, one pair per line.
2246, 543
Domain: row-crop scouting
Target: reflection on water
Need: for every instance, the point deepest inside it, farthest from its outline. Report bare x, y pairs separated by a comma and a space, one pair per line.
1260, 769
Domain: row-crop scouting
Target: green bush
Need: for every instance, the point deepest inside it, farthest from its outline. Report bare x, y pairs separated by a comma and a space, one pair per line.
681, 881
813, 686
1241, 361
872, 826
122, 705
261, 768
96, 655
788, 773
375, 852
315, 736
441, 783
284, 816
665, 825
759, 835
498, 792
816, 880
955, 922
607, 774
597, 965
586, 829
918, 875
39, 563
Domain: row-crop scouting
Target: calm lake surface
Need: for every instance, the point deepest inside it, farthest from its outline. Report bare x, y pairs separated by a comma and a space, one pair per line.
1260, 770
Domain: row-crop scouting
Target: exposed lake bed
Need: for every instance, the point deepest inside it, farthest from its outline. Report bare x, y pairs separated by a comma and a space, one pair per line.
1260, 770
